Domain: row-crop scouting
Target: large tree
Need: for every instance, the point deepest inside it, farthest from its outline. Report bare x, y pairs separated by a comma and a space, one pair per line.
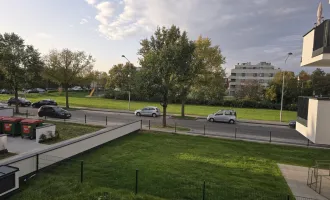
66, 67
251, 90
121, 76
320, 82
19, 63
209, 85
162, 58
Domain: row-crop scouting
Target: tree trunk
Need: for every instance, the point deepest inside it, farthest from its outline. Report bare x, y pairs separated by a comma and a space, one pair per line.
182, 108
66, 96
164, 115
16, 101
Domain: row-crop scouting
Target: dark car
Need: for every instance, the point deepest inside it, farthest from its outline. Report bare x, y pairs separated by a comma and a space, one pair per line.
53, 111
21, 101
44, 103
292, 124
4, 91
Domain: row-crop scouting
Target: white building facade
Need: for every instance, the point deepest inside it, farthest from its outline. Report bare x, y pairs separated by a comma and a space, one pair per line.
262, 72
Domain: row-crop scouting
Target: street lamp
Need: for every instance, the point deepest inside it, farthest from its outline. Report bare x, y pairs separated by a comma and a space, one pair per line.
129, 86
289, 54
125, 58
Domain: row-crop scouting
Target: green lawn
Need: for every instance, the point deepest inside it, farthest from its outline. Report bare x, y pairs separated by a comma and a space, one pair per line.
80, 100
6, 155
70, 130
172, 167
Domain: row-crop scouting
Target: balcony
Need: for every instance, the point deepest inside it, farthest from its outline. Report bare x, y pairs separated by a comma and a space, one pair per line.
316, 46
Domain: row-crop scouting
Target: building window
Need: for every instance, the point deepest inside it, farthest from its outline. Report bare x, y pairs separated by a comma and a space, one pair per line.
262, 75
244, 67
243, 74
255, 75
233, 80
233, 74
271, 75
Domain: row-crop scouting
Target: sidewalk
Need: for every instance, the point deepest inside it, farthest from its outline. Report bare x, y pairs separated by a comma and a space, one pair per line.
196, 116
296, 177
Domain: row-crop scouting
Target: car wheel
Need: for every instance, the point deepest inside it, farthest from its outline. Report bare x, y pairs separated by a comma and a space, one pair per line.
231, 121
154, 115
40, 115
211, 120
31, 138
138, 114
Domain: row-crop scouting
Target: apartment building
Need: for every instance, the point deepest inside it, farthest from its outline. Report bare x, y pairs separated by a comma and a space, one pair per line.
262, 72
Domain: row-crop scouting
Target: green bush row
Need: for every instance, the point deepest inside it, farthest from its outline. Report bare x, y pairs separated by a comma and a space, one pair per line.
119, 95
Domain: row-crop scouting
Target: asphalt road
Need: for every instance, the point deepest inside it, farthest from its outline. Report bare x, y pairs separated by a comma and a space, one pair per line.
243, 130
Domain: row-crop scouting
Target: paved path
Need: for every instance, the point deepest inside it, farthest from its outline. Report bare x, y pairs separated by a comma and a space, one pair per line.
18, 145
296, 177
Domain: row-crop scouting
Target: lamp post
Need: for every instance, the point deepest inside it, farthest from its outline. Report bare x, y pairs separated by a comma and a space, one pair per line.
289, 54
129, 85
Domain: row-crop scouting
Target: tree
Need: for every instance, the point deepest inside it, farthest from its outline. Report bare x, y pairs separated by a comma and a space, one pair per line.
270, 93
290, 88
35, 66
120, 76
320, 82
251, 90
66, 66
209, 84
19, 63
161, 60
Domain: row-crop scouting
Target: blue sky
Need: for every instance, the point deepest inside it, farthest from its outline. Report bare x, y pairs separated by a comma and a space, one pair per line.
246, 30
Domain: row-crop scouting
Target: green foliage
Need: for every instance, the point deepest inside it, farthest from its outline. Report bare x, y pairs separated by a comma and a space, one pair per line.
250, 90
20, 64
65, 67
164, 58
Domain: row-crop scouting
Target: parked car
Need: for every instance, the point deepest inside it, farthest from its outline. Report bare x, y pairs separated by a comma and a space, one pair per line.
35, 90
148, 111
53, 111
43, 103
223, 116
21, 101
292, 124
76, 88
4, 91
2, 105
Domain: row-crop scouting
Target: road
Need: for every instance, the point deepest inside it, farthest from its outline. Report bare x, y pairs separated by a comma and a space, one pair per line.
243, 130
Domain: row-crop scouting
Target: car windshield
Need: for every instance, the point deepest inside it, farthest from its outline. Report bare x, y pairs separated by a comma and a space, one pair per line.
58, 109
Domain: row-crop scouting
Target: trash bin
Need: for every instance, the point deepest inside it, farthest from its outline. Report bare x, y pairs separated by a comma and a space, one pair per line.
1, 129
29, 127
11, 125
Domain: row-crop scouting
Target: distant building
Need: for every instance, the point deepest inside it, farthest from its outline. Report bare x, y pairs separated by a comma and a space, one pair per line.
262, 72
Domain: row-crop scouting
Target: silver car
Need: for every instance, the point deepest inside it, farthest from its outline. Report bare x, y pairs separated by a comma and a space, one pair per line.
223, 116
148, 111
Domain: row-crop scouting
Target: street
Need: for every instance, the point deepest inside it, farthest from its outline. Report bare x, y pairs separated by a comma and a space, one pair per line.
243, 130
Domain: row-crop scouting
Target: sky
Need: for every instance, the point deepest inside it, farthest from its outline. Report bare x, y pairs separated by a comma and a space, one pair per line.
245, 30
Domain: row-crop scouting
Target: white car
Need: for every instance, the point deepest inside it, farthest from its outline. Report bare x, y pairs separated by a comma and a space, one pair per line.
228, 116
76, 88
148, 111
2, 105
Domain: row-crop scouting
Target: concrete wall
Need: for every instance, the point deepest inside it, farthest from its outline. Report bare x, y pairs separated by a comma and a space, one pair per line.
318, 124
323, 122
6, 112
307, 49
307, 58
48, 130
27, 163
309, 131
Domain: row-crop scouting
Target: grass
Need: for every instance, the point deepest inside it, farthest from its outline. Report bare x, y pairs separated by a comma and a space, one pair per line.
70, 130
172, 166
79, 99
178, 128
6, 155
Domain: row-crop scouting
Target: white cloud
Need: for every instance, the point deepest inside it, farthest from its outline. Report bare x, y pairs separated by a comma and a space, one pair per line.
83, 21
44, 35
105, 11
91, 2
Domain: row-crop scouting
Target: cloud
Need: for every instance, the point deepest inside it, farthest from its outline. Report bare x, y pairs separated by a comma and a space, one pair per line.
83, 21
105, 11
44, 35
91, 2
